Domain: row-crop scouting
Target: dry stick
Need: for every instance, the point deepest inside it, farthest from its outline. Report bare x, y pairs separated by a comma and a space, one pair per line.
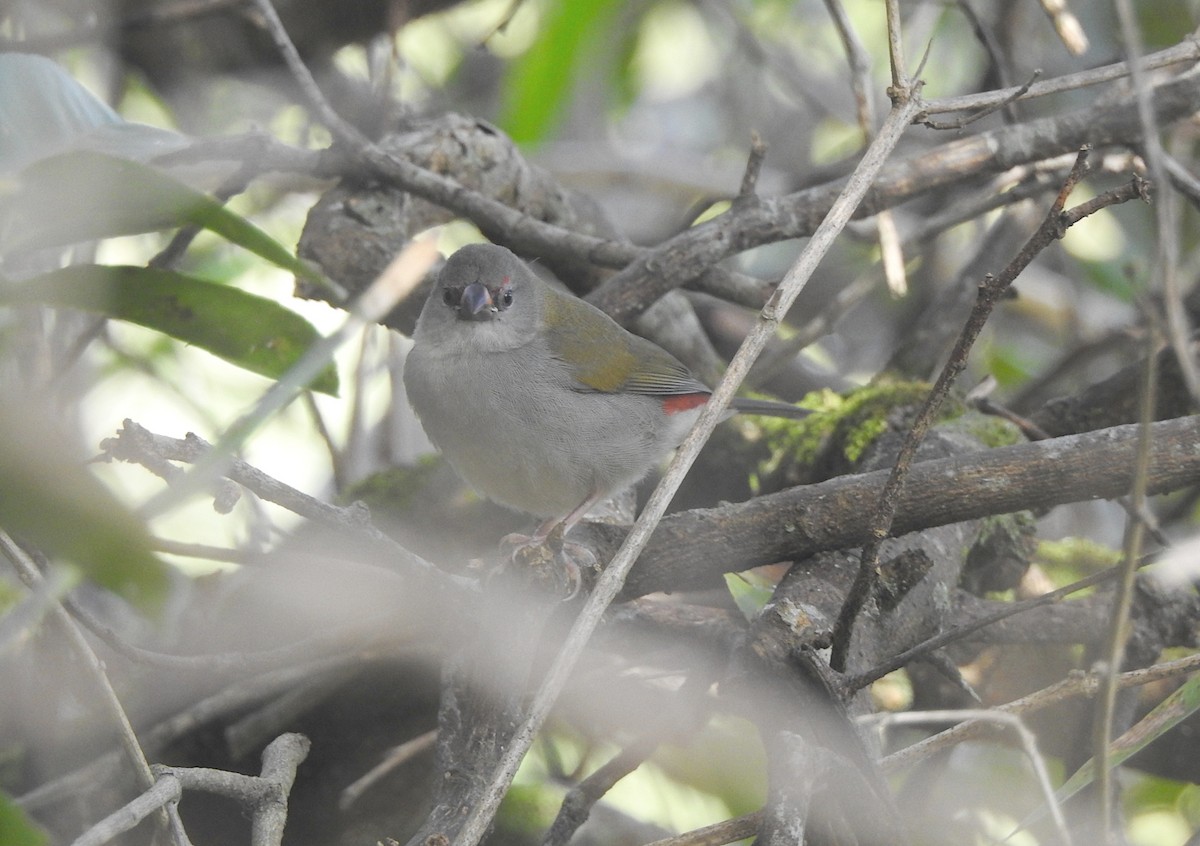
1183, 179
28, 572
860, 680
165, 791
989, 294
1076, 684
230, 700
1186, 51
136, 444
891, 251
754, 162
611, 580
901, 88
1123, 601
394, 758
717, 834
963, 122
995, 53
577, 804
1066, 25
263, 797
1026, 737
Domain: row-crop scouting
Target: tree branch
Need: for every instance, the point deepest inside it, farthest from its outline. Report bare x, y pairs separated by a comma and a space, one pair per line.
693, 548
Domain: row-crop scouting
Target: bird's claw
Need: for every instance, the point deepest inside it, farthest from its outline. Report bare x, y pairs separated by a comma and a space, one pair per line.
547, 559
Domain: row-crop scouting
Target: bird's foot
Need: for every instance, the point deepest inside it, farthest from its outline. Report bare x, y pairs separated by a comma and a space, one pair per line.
549, 558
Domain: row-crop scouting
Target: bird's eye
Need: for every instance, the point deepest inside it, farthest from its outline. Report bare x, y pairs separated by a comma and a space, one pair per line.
450, 296
506, 298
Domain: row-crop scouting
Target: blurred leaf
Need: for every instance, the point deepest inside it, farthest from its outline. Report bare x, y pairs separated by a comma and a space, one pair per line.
725, 759
749, 591
49, 499
85, 196
539, 82
250, 331
43, 109
625, 81
16, 829
1169, 713
528, 810
1011, 364
1113, 278
1165, 22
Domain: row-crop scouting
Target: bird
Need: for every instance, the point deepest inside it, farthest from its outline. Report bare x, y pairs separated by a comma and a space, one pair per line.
538, 399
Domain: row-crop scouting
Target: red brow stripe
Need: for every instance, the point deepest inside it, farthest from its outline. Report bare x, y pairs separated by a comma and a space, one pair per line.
684, 402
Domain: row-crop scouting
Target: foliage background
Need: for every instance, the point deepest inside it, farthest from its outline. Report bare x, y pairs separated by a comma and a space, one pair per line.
647, 108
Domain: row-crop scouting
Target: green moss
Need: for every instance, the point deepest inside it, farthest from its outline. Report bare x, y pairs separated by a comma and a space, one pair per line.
799, 440
992, 431
392, 490
1070, 559
856, 420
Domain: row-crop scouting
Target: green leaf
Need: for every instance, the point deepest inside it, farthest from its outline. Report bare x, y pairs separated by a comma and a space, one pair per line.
750, 592
44, 111
539, 82
16, 829
42, 108
252, 332
85, 195
49, 499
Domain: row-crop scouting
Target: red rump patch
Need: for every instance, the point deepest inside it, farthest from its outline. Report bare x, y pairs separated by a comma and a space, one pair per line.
684, 402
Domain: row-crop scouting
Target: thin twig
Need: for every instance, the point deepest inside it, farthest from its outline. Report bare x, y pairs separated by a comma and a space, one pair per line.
1076, 684
859, 59
1187, 51
1184, 180
717, 834
578, 802
230, 700
962, 122
900, 87
1166, 268
996, 54
395, 757
263, 797
341, 130
165, 790
1123, 600
1002, 718
990, 292
944, 638
29, 573
754, 162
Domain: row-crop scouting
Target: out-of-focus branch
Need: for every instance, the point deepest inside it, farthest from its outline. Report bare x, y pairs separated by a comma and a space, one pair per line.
263, 797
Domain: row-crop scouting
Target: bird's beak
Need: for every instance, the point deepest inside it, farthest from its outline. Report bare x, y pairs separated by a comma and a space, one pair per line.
475, 303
